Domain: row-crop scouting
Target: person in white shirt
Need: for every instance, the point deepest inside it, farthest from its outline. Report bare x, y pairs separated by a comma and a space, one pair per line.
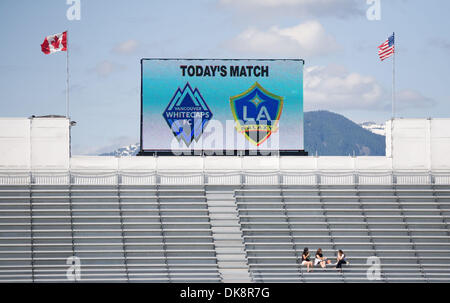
320, 259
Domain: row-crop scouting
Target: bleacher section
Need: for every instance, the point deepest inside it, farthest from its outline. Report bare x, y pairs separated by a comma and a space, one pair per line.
122, 232
406, 227
240, 227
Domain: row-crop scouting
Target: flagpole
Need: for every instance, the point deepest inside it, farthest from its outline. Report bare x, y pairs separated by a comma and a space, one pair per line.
393, 78
67, 74
393, 100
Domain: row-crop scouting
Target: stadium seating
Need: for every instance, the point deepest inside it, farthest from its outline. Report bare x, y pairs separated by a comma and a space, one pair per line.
153, 233
406, 227
241, 227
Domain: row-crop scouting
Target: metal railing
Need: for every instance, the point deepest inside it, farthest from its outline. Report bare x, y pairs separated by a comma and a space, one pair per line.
224, 178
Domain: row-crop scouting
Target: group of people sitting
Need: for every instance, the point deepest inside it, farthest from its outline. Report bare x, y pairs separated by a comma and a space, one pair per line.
323, 261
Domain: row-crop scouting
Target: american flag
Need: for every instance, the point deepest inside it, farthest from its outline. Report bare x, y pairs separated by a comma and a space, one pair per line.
387, 49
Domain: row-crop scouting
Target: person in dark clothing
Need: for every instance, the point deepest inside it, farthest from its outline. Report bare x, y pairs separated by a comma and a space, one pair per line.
341, 259
306, 260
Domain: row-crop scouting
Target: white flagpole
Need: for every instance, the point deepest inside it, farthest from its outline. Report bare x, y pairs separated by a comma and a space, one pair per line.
393, 78
67, 80
393, 101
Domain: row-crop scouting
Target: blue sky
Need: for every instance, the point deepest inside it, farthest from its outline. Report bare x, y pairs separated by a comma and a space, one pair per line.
339, 44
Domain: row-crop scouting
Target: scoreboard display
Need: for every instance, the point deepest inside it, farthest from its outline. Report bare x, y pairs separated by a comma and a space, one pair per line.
221, 106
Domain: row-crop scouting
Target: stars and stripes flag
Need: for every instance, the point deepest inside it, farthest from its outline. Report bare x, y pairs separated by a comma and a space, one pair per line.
55, 43
387, 49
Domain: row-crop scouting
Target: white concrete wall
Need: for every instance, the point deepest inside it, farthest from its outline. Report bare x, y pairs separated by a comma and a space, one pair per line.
419, 144
216, 164
440, 144
43, 144
15, 143
50, 143
37, 144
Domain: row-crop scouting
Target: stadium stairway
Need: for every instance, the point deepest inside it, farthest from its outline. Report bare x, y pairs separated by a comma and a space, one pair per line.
227, 234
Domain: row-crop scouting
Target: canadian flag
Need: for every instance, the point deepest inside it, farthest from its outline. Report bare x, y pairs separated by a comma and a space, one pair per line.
55, 43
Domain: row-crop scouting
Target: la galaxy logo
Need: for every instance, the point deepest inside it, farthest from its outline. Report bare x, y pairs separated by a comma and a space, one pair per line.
256, 112
187, 114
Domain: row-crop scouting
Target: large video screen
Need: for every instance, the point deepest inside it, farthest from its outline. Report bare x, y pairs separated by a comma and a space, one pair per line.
221, 106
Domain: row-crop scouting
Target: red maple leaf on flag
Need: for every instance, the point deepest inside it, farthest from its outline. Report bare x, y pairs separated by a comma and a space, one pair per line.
45, 47
55, 42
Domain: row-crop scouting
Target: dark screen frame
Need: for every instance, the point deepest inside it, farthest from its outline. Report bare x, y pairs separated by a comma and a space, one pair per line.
164, 152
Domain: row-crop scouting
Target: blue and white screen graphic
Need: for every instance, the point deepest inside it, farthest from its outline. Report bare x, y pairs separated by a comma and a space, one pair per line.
222, 105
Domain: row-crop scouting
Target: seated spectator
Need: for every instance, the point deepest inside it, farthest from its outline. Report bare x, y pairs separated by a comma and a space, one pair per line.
305, 259
320, 259
341, 259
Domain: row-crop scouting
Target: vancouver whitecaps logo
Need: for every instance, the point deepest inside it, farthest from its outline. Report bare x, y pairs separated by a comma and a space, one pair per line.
187, 114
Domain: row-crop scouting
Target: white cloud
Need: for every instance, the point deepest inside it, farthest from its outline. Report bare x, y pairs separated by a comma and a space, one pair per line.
106, 68
412, 99
334, 88
440, 43
303, 40
339, 8
126, 47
